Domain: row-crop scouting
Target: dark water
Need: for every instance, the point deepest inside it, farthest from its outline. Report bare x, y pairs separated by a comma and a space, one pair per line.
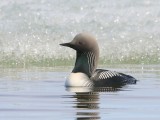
39, 94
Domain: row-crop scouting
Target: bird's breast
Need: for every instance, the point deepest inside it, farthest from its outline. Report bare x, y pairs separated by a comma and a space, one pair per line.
78, 80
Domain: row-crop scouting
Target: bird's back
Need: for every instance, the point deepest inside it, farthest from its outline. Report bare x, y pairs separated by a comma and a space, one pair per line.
106, 78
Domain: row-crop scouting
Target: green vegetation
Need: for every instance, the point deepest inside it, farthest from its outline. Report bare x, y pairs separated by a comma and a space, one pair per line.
54, 62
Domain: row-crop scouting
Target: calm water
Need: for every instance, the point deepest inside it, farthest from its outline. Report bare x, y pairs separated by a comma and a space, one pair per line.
39, 94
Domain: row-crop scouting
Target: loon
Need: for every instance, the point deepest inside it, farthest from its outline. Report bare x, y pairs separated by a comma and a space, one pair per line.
84, 73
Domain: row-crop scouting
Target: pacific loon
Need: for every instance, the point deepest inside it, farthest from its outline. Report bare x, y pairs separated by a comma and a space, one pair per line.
84, 73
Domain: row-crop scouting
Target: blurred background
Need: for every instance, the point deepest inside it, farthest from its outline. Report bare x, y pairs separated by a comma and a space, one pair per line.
30, 31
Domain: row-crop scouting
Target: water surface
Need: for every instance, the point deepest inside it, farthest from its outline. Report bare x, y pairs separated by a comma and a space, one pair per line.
39, 94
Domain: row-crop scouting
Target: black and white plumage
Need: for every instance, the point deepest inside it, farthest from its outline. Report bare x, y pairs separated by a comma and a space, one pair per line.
103, 78
84, 73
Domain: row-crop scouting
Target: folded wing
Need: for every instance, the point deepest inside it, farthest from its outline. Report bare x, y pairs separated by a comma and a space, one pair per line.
106, 78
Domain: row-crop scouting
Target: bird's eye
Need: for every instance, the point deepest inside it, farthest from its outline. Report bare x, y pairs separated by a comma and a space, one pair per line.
81, 43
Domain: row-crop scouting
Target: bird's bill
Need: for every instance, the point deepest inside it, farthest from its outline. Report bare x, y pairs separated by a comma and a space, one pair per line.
65, 44
69, 44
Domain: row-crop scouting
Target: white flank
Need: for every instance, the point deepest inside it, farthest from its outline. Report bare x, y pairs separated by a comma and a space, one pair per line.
78, 80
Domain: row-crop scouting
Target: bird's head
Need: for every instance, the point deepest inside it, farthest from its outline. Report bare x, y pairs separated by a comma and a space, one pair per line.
82, 42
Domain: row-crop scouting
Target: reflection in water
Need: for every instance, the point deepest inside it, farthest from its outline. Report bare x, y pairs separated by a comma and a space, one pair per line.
87, 101
87, 106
